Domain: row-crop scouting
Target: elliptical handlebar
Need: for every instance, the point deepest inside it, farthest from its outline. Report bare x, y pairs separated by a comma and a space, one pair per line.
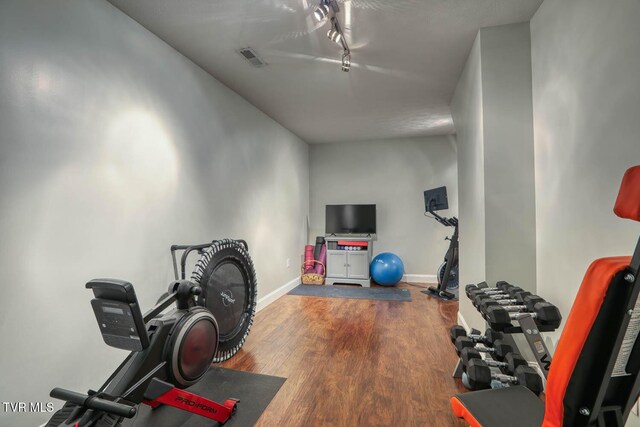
447, 222
94, 402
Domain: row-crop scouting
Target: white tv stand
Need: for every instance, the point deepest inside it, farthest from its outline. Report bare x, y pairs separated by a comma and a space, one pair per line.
349, 267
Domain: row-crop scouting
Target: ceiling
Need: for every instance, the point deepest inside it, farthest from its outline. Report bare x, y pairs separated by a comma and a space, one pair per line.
407, 56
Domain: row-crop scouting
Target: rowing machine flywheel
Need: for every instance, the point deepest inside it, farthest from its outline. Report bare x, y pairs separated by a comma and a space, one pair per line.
229, 291
193, 346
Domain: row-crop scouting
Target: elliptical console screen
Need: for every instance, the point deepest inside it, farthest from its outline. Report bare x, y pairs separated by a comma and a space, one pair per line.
436, 199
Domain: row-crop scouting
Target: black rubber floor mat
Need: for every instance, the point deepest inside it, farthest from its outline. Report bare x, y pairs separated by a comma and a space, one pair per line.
337, 291
254, 391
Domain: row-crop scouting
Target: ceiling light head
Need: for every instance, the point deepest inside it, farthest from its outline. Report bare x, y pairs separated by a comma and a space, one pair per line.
321, 12
346, 62
334, 35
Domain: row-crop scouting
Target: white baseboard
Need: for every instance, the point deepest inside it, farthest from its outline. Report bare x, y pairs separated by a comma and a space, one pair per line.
419, 278
274, 295
463, 322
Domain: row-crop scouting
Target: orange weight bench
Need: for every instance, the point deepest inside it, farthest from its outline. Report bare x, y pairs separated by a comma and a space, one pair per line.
593, 379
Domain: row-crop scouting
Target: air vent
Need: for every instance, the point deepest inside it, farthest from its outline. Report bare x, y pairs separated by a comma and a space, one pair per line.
252, 57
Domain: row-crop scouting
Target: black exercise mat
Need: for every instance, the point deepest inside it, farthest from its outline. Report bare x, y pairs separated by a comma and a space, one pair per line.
336, 291
254, 391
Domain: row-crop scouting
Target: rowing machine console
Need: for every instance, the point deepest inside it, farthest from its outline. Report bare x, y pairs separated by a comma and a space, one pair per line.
118, 314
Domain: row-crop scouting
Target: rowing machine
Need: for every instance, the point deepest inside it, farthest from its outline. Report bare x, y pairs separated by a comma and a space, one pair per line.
169, 352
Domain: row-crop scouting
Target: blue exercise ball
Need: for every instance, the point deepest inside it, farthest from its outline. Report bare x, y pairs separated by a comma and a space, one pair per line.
387, 269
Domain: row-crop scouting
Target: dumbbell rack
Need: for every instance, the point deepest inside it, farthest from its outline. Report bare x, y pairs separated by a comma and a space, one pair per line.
531, 331
524, 324
528, 327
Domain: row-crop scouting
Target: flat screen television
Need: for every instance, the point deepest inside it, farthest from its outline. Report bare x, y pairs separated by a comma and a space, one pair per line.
350, 219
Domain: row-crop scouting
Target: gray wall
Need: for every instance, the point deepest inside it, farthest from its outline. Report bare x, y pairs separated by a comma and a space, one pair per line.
466, 109
491, 110
114, 146
508, 153
393, 175
586, 93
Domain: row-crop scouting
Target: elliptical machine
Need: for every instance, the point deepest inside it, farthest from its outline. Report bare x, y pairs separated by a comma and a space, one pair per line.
435, 200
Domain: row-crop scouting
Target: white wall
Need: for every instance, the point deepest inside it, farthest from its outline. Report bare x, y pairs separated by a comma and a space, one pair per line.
114, 146
508, 155
491, 110
466, 109
586, 98
392, 174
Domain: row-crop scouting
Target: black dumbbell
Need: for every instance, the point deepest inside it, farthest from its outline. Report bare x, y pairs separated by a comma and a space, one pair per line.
488, 338
514, 292
483, 288
459, 331
517, 295
480, 376
511, 360
517, 298
510, 291
527, 304
481, 285
544, 313
499, 350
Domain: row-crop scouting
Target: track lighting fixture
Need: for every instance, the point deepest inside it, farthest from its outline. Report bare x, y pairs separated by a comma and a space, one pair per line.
346, 61
329, 9
334, 35
321, 12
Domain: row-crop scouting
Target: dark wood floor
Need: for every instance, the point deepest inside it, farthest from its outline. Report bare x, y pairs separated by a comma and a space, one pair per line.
355, 362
